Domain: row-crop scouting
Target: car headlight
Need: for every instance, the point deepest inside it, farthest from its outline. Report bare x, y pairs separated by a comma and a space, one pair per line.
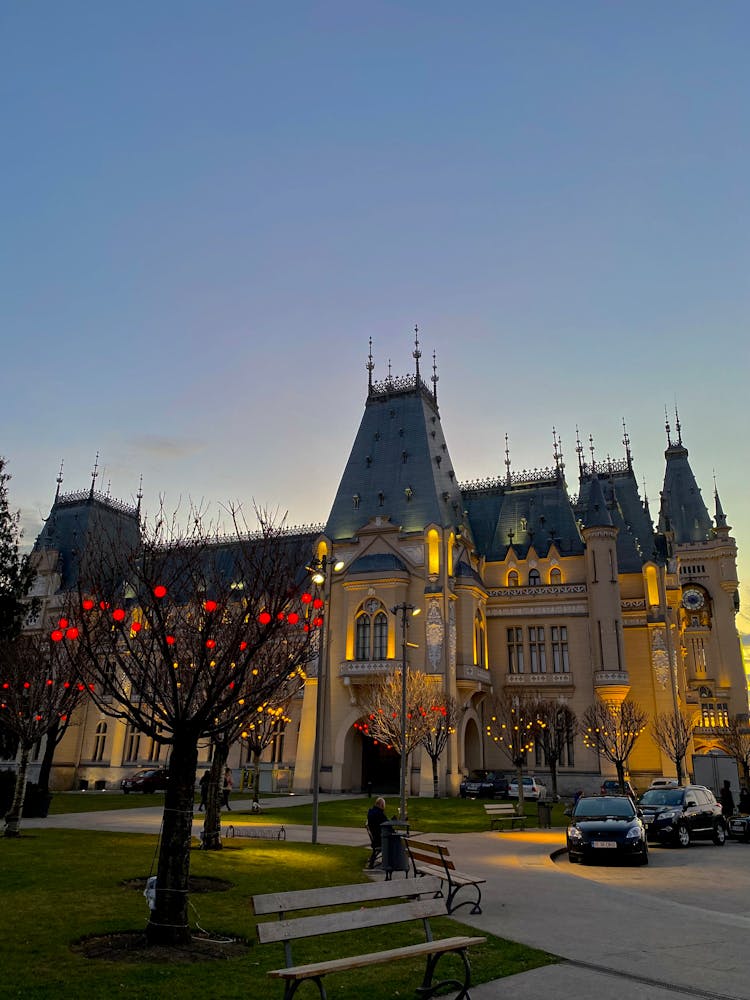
574, 833
668, 814
635, 833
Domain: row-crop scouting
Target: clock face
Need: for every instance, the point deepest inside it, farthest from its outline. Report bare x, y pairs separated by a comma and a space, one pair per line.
692, 599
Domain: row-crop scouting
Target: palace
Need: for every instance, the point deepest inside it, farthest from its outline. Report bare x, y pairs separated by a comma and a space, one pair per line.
521, 585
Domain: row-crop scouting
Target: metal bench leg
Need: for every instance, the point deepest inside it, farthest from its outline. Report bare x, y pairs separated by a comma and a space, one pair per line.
474, 904
290, 988
430, 989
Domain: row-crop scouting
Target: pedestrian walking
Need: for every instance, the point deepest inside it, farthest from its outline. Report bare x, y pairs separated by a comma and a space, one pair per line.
227, 788
727, 799
205, 778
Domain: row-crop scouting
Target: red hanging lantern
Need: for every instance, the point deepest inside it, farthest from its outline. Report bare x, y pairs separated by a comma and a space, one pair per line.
56, 635
72, 633
26, 684
87, 604
264, 618
119, 615
171, 640
281, 616
160, 591
318, 603
50, 682
292, 618
210, 605
136, 627
210, 643
243, 645
317, 622
306, 598
63, 623
103, 605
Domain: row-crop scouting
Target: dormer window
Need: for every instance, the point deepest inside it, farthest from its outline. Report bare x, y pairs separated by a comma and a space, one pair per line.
355, 499
404, 456
368, 461
408, 493
381, 499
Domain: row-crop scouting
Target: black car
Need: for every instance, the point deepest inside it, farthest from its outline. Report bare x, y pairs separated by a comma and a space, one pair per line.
606, 828
679, 815
738, 828
153, 779
484, 784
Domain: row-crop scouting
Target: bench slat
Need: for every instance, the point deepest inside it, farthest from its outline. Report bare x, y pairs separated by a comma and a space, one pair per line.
335, 895
370, 916
376, 957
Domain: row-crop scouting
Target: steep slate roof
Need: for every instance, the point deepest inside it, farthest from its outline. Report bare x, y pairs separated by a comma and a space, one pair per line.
532, 509
378, 562
682, 512
626, 511
399, 466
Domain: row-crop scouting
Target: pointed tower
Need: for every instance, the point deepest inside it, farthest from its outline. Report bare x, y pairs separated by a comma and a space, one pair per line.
683, 517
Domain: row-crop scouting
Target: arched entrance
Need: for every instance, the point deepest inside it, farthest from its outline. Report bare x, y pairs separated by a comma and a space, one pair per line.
381, 767
473, 757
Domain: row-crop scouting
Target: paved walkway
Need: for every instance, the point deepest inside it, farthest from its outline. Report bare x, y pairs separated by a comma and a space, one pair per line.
676, 930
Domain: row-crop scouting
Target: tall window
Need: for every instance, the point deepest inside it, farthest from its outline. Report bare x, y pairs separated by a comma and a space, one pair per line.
100, 741
515, 651
132, 743
513, 578
371, 632
479, 645
537, 650
277, 741
560, 661
534, 578
555, 576
154, 750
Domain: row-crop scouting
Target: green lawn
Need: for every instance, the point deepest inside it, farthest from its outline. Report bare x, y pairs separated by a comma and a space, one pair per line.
62, 885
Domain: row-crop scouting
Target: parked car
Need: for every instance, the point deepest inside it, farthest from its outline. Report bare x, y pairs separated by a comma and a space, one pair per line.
484, 784
612, 787
532, 789
153, 779
738, 828
664, 783
606, 828
679, 815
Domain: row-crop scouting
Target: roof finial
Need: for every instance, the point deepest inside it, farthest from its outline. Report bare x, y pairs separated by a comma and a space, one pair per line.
389, 369
59, 479
591, 449
677, 425
94, 474
435, 376
669, 429
645, 499
369, 366
416, 354
626, 442
139, 494
557, 449
507, 461
579, 452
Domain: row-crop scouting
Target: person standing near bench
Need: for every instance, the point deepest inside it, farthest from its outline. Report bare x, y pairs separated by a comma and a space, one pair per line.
228, 785
375, 816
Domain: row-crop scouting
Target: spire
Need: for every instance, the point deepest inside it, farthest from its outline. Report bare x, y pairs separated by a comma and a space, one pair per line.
507, 461
591, 449
579, 452
94, 474
677, 424
416, 353
369, 366
596, 514
59, 480
645, 500
139, 495
668, 428
435, 376
683, 511
626, 442
719, 516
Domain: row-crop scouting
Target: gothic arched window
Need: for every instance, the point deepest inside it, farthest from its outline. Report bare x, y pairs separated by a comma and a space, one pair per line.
100, 741
555, 576
534, 578
371, 632
513, 578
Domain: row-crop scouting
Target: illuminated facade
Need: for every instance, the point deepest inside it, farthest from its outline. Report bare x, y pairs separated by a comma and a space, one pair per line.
521, 586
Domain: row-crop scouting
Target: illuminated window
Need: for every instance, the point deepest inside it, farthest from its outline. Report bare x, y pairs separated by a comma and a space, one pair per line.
371, 632
433, 551
479, 643
513, 578
132, 743
555, 576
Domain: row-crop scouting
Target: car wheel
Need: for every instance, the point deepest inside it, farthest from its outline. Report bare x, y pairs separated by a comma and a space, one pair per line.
720, 835
126, 791
571, 859
682, 837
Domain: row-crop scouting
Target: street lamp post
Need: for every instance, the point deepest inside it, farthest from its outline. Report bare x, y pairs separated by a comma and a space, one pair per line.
322, 570
406, 611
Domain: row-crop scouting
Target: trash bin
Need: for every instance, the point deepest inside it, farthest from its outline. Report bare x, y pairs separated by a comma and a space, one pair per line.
393, 849
545, 815
36, 802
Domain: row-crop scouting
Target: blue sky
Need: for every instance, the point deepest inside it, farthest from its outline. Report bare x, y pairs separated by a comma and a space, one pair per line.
209, 209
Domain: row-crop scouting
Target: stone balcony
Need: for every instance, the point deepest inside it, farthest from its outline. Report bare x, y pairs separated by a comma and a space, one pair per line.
367, 669
539, 680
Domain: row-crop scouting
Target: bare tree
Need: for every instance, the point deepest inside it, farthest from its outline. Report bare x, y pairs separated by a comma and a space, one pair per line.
264, 726
173, 632
672, 732
735, 741
513, 728
39, 689
557, 725
612, 730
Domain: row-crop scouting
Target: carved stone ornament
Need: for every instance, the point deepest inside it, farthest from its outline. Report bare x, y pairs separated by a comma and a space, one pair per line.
435, 633
414, 553
659, 657
452, 637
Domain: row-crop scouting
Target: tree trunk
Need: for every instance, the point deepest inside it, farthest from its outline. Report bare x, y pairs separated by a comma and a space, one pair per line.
620, 774
678, 765
212, 821
168, 922
54, 735
13, 818
256, 779
435, 794
553, 777
519, 779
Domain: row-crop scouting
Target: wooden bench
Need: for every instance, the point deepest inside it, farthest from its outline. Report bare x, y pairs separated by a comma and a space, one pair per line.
434, 859
360, 907
502, 812
256, 832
